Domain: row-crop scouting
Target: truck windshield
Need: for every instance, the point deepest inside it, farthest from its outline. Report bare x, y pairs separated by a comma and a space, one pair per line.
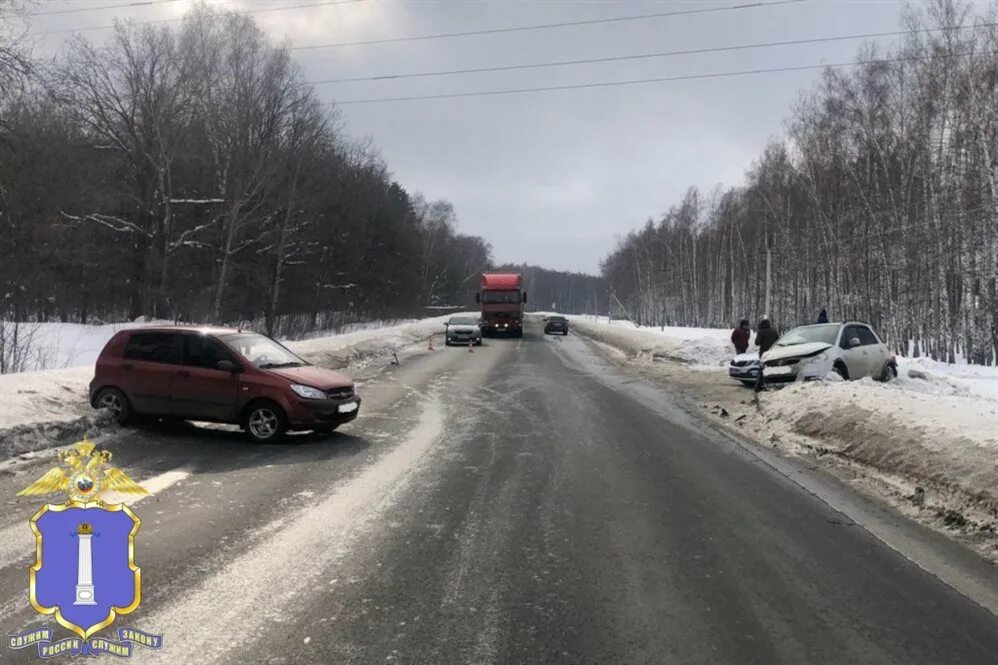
501, 296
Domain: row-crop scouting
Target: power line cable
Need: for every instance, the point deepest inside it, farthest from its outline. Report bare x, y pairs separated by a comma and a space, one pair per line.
178, 20
642, 56
81, 10
547, 26
663, 79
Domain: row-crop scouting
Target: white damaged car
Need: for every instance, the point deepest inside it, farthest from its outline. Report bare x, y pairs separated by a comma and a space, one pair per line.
852, 350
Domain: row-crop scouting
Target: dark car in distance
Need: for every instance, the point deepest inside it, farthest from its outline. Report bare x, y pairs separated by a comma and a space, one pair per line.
219, 375
556, 324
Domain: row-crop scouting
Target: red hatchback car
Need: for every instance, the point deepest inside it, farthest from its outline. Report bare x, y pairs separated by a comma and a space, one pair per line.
219, 375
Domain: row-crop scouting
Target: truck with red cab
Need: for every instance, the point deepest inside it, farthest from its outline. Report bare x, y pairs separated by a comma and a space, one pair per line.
502, 298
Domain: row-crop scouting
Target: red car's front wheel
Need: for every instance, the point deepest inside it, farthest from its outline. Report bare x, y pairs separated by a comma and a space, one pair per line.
116, 402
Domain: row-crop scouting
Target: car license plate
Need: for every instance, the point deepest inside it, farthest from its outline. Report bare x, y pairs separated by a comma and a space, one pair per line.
347, 408
779, 371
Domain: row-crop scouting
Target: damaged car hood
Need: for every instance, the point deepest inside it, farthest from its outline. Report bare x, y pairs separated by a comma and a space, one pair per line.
795, 351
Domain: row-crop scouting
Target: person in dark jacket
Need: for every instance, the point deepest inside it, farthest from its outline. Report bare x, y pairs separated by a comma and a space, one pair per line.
766, 336
740, 336
823, 317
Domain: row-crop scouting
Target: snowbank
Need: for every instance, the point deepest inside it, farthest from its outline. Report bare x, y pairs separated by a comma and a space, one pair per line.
45, 408
945, 379
699, 347
368, 344
47, 396
934, 428
922, 431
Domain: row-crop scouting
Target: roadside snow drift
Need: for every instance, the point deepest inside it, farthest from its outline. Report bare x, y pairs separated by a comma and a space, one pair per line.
703, 347
922, 431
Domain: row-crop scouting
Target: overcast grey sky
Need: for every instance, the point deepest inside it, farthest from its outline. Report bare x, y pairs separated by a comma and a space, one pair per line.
550, 178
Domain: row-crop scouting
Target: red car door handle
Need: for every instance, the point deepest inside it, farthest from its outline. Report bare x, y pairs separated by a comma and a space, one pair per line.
126, 365
184, 372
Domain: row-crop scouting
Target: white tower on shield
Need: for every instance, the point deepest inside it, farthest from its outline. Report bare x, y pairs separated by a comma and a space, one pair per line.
84, 567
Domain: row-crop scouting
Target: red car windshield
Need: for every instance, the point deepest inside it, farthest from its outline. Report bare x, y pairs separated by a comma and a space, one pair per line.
262, 351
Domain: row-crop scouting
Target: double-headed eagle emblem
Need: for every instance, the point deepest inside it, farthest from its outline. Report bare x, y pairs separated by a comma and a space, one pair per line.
86, 476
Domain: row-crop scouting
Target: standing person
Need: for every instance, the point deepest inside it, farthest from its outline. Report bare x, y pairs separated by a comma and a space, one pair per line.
823, 317
740, 337
765, 338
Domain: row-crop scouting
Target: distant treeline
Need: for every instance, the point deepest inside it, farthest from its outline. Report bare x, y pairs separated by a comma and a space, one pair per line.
881, 204
190, 173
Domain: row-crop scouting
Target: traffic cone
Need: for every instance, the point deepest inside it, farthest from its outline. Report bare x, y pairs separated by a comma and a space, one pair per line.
430, 347
471, 348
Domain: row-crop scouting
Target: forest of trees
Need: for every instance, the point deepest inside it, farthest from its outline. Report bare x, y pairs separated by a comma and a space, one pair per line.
189, 173
880, 203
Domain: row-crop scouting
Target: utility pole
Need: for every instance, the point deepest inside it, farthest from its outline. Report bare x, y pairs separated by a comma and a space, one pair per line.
769, 272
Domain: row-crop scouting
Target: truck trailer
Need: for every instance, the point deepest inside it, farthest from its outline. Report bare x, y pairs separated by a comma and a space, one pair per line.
502, 297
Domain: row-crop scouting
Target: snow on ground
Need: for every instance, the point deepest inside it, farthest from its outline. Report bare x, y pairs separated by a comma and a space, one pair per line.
60, 345
700, 347
367, 343
44, 408
935, 427
46, 396
927, 375
357, 327
910, 428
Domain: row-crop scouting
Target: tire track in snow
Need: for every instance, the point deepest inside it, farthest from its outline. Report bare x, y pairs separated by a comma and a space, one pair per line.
251, 592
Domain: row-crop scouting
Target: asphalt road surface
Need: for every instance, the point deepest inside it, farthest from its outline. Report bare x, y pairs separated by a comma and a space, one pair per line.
525, 503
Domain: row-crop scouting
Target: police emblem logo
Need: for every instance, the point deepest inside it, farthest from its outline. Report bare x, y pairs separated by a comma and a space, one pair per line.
84, 573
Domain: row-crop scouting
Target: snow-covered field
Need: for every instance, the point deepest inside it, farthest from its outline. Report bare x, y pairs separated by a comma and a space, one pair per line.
934, 428
45, 407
